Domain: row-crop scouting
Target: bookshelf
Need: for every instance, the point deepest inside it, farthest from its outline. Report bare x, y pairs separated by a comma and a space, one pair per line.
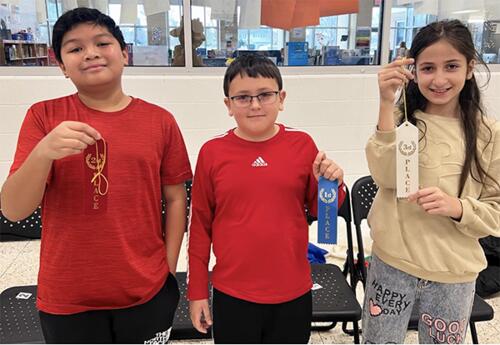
23, 53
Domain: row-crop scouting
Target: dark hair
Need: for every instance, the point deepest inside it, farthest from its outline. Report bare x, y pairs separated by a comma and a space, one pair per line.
80, 15
471, 108
253, 66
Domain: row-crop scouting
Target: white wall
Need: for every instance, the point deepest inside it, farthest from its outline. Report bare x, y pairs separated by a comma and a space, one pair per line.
339, 110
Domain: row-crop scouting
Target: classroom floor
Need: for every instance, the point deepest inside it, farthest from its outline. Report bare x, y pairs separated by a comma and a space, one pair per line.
19, 266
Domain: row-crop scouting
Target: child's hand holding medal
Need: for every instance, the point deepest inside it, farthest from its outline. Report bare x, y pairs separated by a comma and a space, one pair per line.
68, 138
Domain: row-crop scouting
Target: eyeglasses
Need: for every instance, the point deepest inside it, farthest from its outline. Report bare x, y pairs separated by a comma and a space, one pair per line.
243, 101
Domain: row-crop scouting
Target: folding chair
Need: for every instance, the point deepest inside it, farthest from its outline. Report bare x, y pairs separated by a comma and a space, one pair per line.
334, 302
26, 229
20, 323
337, 303
19, 320
182, 327
363, 193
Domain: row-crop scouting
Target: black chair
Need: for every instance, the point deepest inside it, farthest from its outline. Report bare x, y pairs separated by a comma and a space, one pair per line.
363, 193
27, 229
339, 304
334, 302
182, 327
19, 321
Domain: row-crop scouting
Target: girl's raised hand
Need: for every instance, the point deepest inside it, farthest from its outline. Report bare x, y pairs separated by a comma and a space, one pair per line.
391, 77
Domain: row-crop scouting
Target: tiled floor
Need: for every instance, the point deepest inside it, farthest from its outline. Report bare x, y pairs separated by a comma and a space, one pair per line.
19, 266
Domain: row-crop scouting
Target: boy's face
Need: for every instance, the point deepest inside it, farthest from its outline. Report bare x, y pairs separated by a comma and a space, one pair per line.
91, 56
255, 119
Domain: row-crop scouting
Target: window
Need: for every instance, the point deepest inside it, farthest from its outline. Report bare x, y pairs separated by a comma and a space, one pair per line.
151, 29
481, 17
223, 29
152, 33
258, 27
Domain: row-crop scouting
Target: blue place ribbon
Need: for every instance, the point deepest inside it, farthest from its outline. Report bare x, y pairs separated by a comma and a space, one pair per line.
327, 210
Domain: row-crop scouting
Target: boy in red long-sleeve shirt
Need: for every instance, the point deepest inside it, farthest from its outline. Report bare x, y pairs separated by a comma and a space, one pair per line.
249, 193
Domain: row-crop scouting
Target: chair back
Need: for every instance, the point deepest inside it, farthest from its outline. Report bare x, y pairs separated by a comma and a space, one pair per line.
27, 229
345, 213
363, 193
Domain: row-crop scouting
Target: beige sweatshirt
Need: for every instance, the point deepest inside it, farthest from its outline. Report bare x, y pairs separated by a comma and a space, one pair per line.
433, 247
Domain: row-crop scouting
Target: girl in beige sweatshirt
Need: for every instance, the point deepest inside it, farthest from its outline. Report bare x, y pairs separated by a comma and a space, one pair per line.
426, 251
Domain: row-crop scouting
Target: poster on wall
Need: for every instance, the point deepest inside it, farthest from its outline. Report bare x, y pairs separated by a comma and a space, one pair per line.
157, 26
128, 13
101, 5
222, 9
10, 2
430, 7
41, 11
150, 55
296, 53
69, 5
5, 14
5, 33
84, 3
298, 35
156, 6
250, 14
363, 34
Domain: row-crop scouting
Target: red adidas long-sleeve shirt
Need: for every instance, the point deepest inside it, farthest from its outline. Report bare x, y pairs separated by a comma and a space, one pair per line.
248, 201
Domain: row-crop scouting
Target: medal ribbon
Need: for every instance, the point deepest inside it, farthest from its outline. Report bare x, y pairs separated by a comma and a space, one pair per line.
327, 210
96, 171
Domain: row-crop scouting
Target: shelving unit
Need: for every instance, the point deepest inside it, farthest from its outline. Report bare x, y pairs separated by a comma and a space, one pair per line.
23, 53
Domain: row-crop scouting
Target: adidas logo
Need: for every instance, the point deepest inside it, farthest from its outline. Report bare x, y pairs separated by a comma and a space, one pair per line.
259, 162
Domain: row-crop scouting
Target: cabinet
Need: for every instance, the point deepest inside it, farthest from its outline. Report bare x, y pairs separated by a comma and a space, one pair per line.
23, 53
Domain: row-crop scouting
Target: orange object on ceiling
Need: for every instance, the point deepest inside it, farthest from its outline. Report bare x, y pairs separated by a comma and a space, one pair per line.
289, 14
336, 7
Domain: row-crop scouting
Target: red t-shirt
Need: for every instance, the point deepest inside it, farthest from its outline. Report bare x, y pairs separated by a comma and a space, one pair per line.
248, 200
110, 254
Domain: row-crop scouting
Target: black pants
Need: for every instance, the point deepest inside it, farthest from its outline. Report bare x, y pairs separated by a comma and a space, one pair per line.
238, 321
148, 322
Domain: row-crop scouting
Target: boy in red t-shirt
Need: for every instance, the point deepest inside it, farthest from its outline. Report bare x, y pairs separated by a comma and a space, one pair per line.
100, 162
249, 193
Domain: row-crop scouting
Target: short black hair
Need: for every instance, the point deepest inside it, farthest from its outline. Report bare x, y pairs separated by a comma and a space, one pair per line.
80, 15
253, 66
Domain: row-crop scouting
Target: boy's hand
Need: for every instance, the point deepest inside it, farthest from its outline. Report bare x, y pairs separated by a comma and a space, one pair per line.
434, 201
391, 77
323, 166
200, 315
68, 138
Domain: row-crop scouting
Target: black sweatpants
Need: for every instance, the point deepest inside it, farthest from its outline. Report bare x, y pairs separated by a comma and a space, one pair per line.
150, 322
239, 321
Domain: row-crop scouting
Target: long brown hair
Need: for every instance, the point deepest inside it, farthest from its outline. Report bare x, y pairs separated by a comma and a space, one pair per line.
471, 108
